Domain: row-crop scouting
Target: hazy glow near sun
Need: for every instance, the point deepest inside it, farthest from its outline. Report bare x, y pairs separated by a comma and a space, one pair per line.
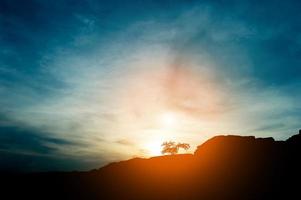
154, 147
168, 120
172, 101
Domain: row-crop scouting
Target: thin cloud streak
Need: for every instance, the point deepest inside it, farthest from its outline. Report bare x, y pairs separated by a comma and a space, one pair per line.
93, 87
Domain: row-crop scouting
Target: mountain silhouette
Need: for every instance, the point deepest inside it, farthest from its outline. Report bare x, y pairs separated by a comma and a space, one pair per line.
224, 167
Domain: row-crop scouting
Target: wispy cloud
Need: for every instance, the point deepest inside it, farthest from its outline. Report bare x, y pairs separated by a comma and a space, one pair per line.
92, 78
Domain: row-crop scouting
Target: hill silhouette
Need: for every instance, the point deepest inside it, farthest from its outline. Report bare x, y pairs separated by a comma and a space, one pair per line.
224, 167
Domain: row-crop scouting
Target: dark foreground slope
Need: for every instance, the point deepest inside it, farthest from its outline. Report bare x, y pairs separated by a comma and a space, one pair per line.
224, 167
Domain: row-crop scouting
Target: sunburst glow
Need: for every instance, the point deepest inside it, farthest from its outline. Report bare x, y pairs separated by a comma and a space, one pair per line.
170, 103
168, 120
154, 147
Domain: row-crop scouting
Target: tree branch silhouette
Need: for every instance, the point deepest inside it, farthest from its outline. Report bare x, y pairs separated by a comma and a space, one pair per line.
172, 148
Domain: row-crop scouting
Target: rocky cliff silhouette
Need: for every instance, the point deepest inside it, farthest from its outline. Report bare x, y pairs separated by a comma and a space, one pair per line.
224, 167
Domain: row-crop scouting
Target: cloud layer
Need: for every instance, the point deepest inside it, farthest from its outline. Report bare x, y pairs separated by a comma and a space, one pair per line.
83, 83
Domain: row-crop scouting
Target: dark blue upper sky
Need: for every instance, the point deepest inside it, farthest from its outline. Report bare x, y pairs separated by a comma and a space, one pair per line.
81, 81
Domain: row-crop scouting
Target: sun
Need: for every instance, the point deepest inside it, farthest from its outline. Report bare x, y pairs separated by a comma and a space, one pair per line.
167, 124
154, 148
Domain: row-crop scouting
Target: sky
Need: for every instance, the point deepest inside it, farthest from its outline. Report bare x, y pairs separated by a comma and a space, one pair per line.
85, 83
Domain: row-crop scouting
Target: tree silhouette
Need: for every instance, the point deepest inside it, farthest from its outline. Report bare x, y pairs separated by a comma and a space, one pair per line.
184, 146
173, 148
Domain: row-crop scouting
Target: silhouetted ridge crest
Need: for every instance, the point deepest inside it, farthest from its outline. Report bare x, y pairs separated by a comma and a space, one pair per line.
223, 167
295, 138
233, 143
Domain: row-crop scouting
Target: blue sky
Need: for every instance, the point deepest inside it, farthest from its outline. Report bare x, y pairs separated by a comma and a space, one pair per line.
84, 83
